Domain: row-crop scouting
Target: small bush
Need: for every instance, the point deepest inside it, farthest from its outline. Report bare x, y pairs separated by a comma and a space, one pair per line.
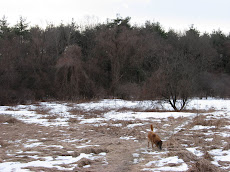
8, 119
203, 166
207, 156
227, 147
84, 161
42, 110
73, 120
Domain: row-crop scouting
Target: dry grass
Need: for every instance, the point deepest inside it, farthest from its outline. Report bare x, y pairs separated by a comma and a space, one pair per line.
73, 120
227, 146
108, 138
42, 110
94, 150
186, 155
172, 144
108, 130
4, 144
84, 161
202, 120
217, 141
207, 156
50, 117
204, 165
199, 111
8, 119
76, 111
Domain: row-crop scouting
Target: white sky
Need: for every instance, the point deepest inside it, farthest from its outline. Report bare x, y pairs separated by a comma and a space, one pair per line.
206, 15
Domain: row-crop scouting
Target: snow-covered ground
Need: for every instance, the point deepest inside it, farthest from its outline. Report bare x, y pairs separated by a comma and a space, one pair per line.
117, 110
29, 113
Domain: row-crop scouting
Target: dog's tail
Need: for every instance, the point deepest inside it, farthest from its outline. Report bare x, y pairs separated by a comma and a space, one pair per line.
151, 126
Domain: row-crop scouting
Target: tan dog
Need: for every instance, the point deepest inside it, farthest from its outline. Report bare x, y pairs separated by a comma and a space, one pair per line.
154, 138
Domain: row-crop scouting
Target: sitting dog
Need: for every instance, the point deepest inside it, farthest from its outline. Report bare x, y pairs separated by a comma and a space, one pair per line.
154, 138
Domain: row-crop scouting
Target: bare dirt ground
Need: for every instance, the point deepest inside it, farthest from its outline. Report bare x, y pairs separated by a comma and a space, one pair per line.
115, 146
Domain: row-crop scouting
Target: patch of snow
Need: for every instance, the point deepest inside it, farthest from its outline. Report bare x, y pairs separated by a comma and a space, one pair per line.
112, 115
208, 139
99, 124
134, 125
162, 164
55, 146
116, 125
32, 145
136, 155
128, 138
86, 166
201, 127
49, 162
182, 167
227, 134
195, 151
84, 146
91, 120
227, 127
220, 155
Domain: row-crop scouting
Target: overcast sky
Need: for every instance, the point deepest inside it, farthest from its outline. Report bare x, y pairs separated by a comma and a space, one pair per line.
206, 15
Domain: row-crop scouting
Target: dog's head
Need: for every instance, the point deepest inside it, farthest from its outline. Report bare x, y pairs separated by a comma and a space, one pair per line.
159, 144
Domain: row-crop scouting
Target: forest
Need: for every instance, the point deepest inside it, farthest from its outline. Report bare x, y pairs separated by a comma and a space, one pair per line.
111, 60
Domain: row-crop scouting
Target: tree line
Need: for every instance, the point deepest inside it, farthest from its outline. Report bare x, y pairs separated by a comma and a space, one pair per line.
112, 59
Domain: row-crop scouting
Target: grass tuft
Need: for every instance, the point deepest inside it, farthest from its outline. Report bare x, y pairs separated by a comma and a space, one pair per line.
8, 119
203, 166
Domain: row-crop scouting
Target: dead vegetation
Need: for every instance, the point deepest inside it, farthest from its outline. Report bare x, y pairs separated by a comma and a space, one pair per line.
204, 165
42, 110
118, 139
8, 119
94, 150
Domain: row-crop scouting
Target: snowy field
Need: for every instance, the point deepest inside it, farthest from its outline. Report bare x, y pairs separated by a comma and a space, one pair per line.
61, 136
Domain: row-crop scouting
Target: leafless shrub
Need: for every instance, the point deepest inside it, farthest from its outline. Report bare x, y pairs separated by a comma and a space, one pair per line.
204, 165
42, 110
84, 161
74, 154
217, 140
8, 119
198, 139
73, 120
183, 154
199, 111
220, 122
172, 143
207, 156
76, 111
201, 120
4, 144
227, 147
50, 117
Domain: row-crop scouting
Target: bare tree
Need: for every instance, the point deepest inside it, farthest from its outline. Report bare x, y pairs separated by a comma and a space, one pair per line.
113, 47
174, 81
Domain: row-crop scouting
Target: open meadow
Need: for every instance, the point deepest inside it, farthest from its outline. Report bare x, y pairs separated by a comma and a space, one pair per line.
111, 135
